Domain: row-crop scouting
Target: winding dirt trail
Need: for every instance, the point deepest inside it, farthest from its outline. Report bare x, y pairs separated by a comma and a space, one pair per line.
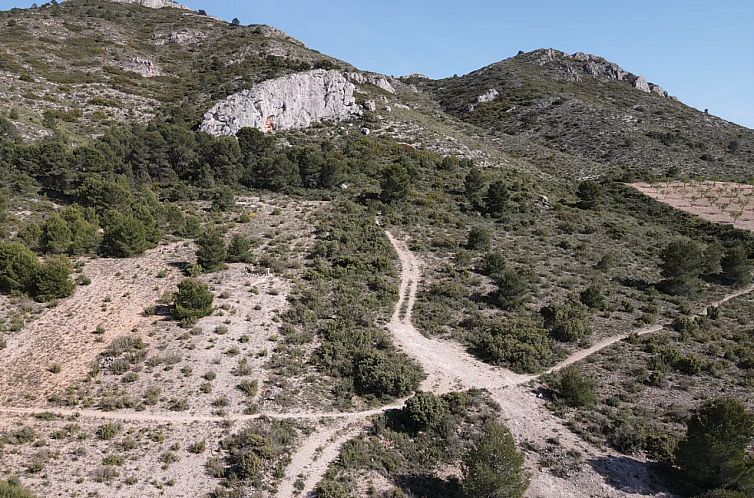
449, 367
314, 456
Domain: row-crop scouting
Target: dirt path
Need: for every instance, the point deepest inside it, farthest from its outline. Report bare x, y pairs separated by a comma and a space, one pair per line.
179, 418
314, 456
450, 367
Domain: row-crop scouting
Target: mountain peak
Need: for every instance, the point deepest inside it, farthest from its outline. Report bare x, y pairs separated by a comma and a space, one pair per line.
575, 67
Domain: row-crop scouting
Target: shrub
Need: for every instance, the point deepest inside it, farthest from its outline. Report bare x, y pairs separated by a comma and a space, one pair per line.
18, 267
521, 344
56, 235
108, 431
494, 264
395, 183
11, 490
479, 239
380, 373
575, 389
567, 322
589, 194
192, 301
512, 289
53, 280
496, 200
592, 297
736, 268
714, 452
424, 411
223, 199
494, 468
329, 488
239, 250
474, 185
211, 252
682, 263
124, 235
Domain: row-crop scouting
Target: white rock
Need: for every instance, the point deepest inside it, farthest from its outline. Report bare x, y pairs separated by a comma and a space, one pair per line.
370, 105
641, 84
144, 67
291, 102
377, 80
153, 4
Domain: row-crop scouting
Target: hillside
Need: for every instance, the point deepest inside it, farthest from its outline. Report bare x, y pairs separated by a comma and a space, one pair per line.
232, 266
588, 107
85, 64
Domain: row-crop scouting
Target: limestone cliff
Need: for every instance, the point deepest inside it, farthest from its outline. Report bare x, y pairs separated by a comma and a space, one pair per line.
294, 101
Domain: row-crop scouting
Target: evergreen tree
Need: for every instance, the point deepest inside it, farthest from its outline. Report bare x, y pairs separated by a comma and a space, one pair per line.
124, 235
56, 235
53, 280
714, 452
682, 263
18, 267
512, 289
496, 200
494, 468
735, 265
395, 183
192, 301
211, 252
589, 194
474, 185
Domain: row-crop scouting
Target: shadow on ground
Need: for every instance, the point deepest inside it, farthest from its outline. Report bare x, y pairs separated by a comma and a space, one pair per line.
636, 477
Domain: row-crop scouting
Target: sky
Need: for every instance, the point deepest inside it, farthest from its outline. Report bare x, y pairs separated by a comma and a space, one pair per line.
701, 51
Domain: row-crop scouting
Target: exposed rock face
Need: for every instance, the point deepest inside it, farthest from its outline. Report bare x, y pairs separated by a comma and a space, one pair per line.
377, 80
294, 101
573, 67
145, 67
487, 96
153, 4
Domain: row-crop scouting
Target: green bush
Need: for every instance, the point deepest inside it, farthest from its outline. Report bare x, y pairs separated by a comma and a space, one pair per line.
395, 183
496, 201
736, 268
494, 468
124, 235
682, 263
479, 239
53, 280
10, 490
223, 199
56, 235
714, 453
589, 194
521, 344
575, 389
192, 301
385, 374
512, 289
239, 250
329, 488
593, 297
424, 411
211, 252
567, 322
18, 267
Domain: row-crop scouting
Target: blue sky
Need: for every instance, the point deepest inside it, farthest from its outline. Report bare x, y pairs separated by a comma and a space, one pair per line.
699, 50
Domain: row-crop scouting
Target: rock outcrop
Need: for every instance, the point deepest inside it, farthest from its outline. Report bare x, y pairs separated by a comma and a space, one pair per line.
574, 67
153, 4
294, 101
145, 67
373, 79
488, 96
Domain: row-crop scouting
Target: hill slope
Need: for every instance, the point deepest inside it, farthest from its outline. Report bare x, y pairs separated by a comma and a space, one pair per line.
588, 107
